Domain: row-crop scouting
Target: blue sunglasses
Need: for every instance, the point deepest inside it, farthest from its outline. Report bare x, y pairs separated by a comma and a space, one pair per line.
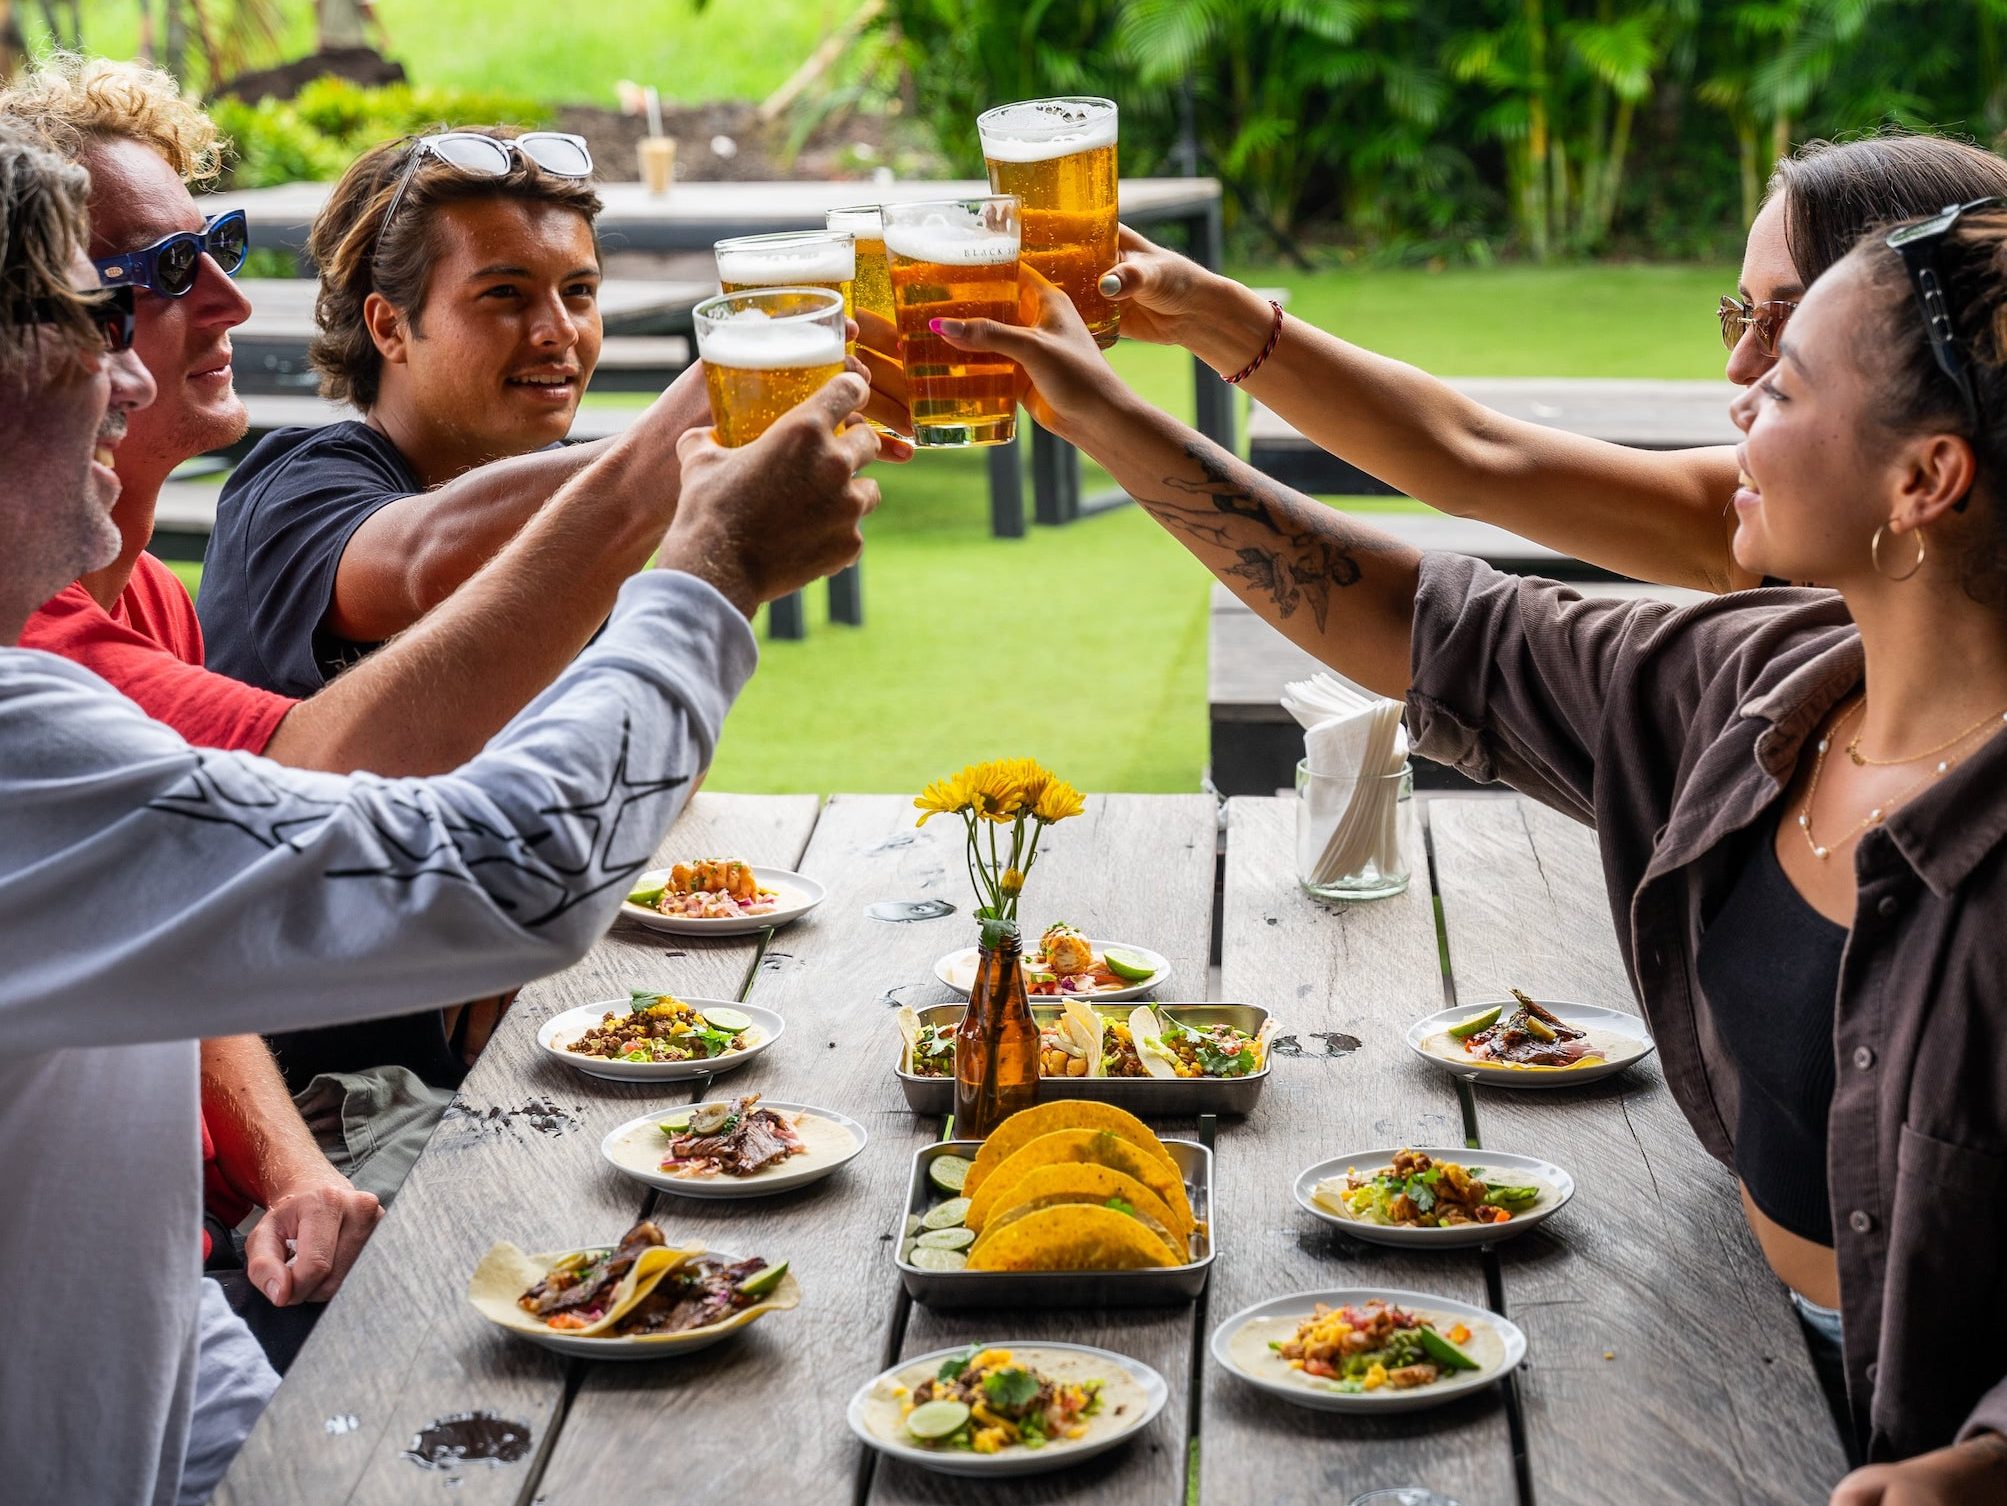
169, 265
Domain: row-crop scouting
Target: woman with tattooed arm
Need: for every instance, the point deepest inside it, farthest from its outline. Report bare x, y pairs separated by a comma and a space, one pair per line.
1764, 893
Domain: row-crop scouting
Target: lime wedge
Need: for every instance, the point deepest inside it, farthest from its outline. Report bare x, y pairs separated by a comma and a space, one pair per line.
913, 1224
1443, 1352
945, 1215
949, 1172
936, 1419
675, 1126
946, 1239
649, 895
762, 1283
1132, 966
728, 1019
937, 1260
1470, 1027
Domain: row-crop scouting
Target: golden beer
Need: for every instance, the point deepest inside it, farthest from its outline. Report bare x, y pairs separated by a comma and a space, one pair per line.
955, 259
871, 288
1058, 157
764, 352
793, 259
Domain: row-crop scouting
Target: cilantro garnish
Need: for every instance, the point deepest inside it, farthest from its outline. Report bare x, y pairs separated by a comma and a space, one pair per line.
950, 1368
1010, 1389
1120, 1205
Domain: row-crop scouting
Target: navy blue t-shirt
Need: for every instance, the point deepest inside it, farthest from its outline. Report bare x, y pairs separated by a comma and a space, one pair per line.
282, 522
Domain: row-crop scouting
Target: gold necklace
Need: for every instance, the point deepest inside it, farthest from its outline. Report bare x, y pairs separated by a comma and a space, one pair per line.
1874, 817
1861, 760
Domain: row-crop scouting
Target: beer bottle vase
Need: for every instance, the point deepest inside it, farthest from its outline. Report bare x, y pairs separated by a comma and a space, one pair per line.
955, 259
792, 259
764, 351
1058, 157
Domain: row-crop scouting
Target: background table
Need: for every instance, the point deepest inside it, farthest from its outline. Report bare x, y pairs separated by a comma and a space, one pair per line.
1664, 1366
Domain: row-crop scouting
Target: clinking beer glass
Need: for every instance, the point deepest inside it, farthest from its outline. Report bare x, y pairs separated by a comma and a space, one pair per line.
764, 351
1058, 157
955, 259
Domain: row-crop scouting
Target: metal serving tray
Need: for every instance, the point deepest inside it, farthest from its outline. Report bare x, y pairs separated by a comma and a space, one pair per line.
1158, 1288
1142, 1096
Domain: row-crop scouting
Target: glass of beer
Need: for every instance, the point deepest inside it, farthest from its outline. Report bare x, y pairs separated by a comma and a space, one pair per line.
955, 259
792, 259
764, 351
871, 289
1058, 157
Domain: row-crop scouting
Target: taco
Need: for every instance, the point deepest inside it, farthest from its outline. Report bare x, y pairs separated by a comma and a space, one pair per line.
1027, 1125
1072, 1237
582, 1293
1098, 1147
1088, 1186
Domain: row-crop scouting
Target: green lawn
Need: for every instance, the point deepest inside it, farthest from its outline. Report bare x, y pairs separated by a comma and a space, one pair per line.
1085, 646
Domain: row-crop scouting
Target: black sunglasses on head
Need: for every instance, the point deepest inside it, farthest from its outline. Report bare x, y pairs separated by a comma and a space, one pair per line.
111, 310
1919, 246
169, 265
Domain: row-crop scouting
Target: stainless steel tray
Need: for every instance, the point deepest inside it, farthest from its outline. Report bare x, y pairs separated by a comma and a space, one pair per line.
1168, 1286
1142, 1096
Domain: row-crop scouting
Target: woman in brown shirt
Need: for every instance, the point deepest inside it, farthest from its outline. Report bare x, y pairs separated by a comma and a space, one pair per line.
1860, 728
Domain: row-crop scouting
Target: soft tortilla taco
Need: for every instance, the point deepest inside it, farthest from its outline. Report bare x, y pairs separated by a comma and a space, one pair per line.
1084, 1185
582, 1292
1072, 1237
1093, 1147
1027, 1125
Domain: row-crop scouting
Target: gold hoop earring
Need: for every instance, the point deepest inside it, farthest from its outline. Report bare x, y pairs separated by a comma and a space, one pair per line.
1875, 555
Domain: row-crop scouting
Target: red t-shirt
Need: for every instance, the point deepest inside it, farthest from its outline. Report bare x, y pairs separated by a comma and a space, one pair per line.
149, 646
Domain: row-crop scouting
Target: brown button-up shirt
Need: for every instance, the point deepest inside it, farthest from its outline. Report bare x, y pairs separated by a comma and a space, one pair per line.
1671, 730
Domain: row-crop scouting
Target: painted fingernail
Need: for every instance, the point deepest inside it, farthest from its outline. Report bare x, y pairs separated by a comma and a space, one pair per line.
1111, 284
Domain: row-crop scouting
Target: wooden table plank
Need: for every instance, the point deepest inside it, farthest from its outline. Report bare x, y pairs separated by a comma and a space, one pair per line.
1629, 1296
1345, 982
1132, 868
768, 1408
516, 1158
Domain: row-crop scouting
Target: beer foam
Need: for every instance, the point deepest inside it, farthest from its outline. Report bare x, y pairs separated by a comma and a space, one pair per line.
950, 243
753, 342
864, 223
787, 266
1042, 132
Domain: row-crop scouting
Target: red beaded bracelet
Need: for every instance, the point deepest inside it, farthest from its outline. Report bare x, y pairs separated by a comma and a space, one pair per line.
1274, 335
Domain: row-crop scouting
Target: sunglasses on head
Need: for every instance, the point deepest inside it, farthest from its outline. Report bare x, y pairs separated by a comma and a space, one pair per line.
1919, 245
478, 156
111, 310
1764, 320
169, 265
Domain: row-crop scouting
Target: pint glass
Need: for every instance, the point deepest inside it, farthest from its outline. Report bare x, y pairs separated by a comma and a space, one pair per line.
955, 259
764, 351
871, 291
793, 259
1058, 157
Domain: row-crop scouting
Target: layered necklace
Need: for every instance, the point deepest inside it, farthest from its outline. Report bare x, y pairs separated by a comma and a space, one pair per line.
1822, 850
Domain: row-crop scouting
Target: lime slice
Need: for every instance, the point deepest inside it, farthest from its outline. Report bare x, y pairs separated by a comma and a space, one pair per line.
913, 1225
928, 1259
728, 1019
936, 1419
946, 1239
949, 1172
1443, 1352
1132, 966
649, 895
1470, 1027
945, 1215
675, 1126
762, 1283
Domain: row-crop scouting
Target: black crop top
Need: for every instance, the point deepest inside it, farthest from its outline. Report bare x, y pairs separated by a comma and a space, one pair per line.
1769, 965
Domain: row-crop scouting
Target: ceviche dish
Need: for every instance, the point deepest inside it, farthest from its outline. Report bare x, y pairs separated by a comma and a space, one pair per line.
662, 1028
708, 889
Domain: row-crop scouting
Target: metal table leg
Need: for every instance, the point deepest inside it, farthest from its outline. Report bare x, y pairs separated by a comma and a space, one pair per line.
1006, 491
846, 595
786, 619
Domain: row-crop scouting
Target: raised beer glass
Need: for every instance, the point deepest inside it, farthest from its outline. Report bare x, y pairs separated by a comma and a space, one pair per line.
764, 351
955, 259
1058, 157
791, 259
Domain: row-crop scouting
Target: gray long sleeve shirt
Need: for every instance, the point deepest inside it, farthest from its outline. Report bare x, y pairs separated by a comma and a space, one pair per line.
152, 894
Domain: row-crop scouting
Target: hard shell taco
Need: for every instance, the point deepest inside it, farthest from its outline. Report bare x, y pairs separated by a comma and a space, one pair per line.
1071, 1237
1027, 1125
1099, 1147
1080, 1185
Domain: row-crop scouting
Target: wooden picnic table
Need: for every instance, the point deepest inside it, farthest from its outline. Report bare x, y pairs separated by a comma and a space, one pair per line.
1665, 1364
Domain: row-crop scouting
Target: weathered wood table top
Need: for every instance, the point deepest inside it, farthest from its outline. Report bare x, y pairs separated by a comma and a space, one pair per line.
1664, 1362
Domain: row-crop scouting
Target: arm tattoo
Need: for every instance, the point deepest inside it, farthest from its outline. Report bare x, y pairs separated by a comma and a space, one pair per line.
1293, 563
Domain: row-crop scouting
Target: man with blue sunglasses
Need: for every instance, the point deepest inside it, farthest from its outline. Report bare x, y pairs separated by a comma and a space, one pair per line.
168, 268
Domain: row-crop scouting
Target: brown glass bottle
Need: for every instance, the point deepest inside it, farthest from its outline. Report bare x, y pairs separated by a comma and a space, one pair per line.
996, 1046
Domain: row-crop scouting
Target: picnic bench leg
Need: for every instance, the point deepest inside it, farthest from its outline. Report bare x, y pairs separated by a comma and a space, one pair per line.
1006, 491
846, 595
1055, 477
786, 620
1214, 397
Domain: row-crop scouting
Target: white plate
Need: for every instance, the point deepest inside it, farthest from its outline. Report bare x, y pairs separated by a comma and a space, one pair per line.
643, 1159
1510, 1350
958, 971
1556, 1187
1629, 1042
797, 896
1017, 1461
574, 1023
664, 1346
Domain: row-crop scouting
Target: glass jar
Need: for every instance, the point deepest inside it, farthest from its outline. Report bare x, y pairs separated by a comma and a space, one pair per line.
1351, 833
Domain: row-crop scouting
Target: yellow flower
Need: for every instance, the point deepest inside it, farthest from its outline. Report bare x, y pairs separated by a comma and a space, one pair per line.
1013, 883
944, 797
994, 790
1057, 801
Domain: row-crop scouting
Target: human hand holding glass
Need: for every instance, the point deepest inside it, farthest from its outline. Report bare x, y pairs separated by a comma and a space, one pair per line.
1064, 380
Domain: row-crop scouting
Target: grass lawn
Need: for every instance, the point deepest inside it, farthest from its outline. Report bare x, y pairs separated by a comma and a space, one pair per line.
1085, 646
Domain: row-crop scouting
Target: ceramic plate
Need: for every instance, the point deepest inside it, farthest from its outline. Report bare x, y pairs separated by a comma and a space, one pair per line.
797, 896
1622, 1036
573, 1023
1012, 1461
1240, 1345
637, 1148
1555, 1185
958, 971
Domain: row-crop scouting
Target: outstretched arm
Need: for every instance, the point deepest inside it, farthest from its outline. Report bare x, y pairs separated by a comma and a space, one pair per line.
1657, 515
